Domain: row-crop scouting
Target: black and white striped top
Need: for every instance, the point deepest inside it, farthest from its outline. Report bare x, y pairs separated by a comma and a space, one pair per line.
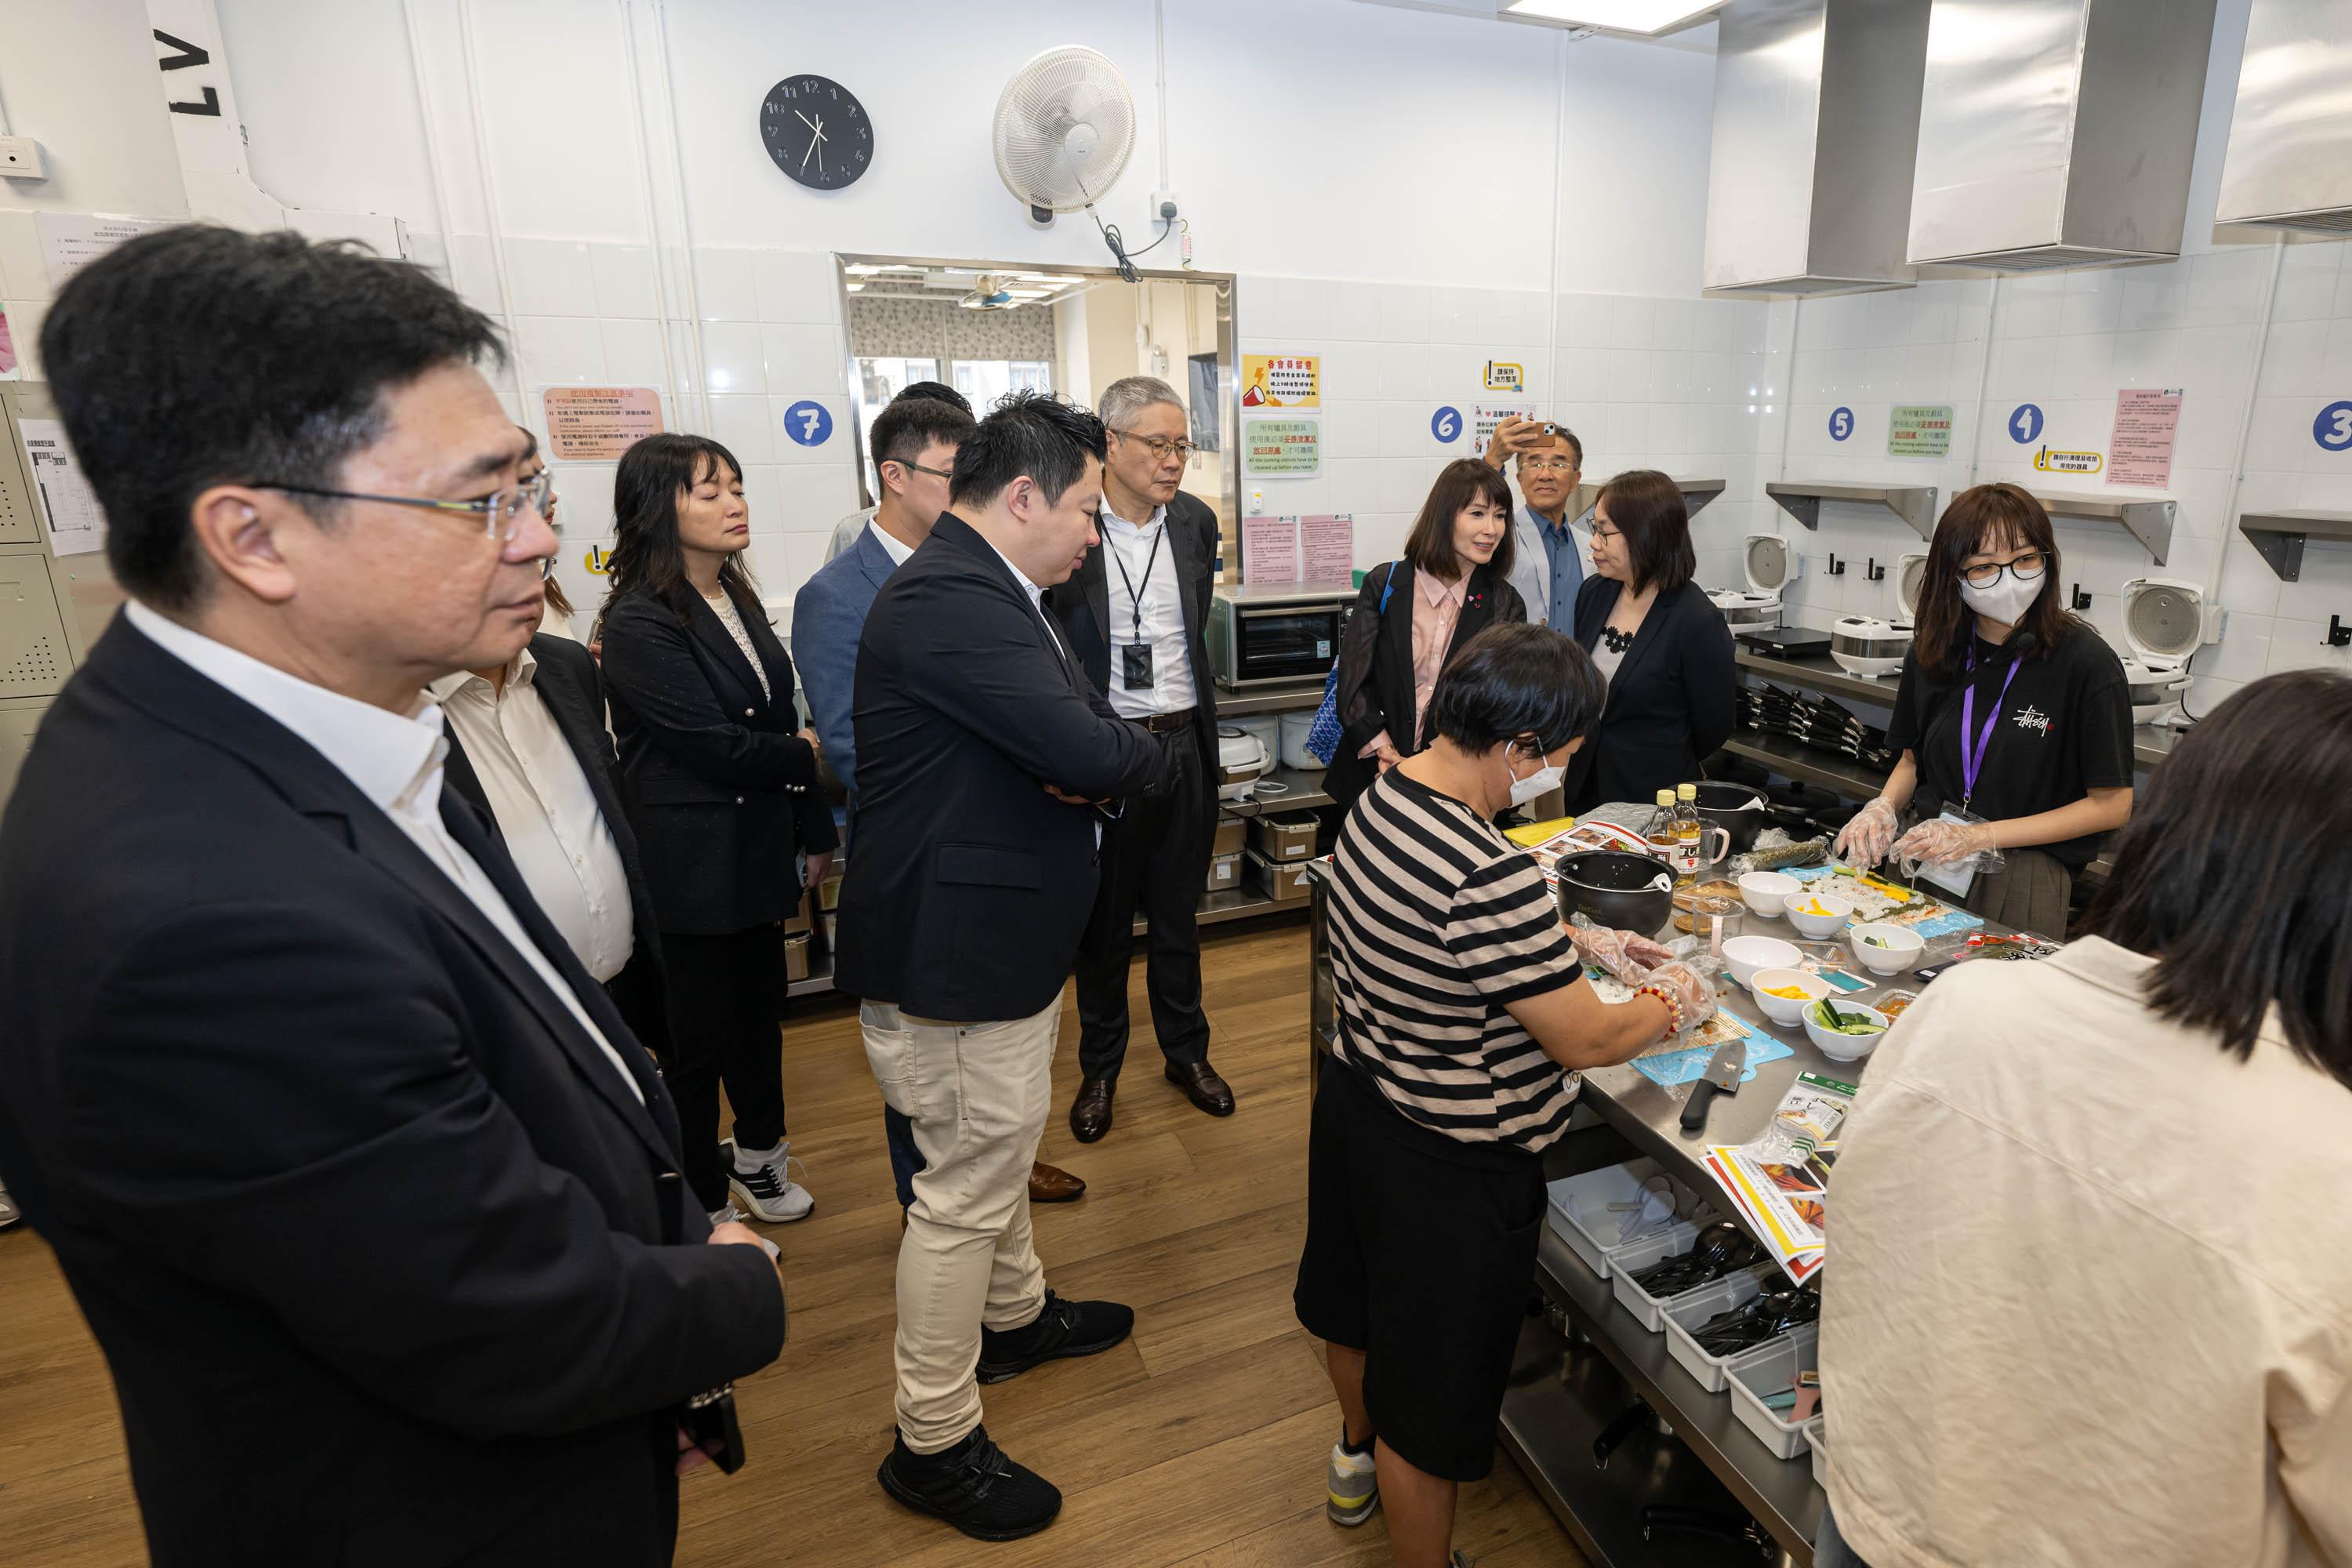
1436, 921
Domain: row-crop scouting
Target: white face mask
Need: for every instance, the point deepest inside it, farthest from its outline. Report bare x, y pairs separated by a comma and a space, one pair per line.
1542, 781
2007, 600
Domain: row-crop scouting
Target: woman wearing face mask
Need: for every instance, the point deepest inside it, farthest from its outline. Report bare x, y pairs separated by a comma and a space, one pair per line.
1658, 639
1464, 1020
2013, 719
1413, 615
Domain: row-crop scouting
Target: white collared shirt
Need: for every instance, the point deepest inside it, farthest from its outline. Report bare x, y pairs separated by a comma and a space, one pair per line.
1037, 602
546, 811
394, 762
1141, 585
897, 552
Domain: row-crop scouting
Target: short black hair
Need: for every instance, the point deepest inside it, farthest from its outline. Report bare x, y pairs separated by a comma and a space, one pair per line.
935, 392
908, 424
2235, 871
1515, 679
198, 355
1039, 434
1648, 508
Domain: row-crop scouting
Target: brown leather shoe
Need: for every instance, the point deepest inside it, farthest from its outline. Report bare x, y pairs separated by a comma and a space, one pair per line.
1052, 1184
1202, 1086
1090, 1112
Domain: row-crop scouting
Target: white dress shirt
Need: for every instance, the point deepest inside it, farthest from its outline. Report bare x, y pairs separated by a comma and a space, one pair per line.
394, 762
1142, 582
1037, 602
897, 552
546, 811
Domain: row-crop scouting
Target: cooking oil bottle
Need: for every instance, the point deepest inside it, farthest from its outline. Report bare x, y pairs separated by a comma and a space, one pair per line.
1663, 841
1690, 832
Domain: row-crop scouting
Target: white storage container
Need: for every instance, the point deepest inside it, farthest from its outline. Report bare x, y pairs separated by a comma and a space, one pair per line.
1768, 1369
1580, 1215
1685, 1312
1625, 1261
1820, 1447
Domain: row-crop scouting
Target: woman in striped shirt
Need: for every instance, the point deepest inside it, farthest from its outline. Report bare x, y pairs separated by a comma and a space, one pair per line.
1464, 1022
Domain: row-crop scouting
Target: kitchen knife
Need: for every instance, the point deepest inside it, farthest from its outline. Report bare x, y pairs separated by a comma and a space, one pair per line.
1723, 1073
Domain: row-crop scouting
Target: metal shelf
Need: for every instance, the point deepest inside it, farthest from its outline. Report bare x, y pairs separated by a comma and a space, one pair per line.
2280, 536
1286, 698
1696, 493
1915, 504
1788, 759
2149, 521
1305, 789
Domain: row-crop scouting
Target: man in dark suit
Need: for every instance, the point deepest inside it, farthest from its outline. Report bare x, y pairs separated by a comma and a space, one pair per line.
366, 1191
1136, 614
985, 756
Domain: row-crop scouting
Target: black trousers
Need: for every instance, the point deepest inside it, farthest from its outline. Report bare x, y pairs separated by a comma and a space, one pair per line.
725, 994
1155, 857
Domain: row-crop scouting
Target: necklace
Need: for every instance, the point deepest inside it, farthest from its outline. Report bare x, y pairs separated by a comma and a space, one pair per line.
1618, 641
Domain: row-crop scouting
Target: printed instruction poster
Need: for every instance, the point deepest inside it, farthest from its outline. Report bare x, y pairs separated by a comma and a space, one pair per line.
7, 346
1326, 548
1269, 551
71, 241
1283, 550
1486, 416
77, 525
1919, 430
597, 423
1282, 381
1282, 448
2148, 420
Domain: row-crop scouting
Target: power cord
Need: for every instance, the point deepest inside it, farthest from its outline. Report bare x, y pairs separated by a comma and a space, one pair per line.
1118, 242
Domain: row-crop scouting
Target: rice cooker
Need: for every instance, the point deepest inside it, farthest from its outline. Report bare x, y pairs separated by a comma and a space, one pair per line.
2154, 689
1748, 612
1868, 646
1295, 728
1242, 760
1266, 727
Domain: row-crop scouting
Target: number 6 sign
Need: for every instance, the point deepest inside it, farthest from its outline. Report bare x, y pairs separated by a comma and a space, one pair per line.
808, 423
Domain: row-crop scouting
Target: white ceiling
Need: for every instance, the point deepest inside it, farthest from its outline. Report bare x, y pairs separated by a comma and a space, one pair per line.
1699, 38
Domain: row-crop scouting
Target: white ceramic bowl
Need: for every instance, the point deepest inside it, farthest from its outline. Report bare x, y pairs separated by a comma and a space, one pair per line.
1819, 928
1902, 947
1844, 1047
1782, 1009
1766, 890
1744, 955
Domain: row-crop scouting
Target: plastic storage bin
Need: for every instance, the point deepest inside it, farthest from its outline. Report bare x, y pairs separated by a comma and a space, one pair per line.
1686, 1312
1625, 1261
1224, 871
1820, 1447
1580, 1215
1290, 836
1765, 1370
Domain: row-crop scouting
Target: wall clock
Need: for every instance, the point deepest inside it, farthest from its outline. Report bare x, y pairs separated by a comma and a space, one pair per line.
817, 131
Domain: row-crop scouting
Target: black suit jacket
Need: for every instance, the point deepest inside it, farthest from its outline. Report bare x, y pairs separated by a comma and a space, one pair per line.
971, 886
717, 781
1376, 688
1085, 604
379, 1246
1670, 703
567, 683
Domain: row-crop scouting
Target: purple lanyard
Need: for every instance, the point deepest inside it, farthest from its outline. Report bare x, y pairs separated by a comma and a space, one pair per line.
1972, 762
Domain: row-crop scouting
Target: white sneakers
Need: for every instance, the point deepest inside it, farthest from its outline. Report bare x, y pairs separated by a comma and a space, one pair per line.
763, 1183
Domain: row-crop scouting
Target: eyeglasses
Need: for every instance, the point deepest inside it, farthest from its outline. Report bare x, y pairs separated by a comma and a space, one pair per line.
919, 469
1548, 465
499, 511
2025, 569
1162, 446
1601, 534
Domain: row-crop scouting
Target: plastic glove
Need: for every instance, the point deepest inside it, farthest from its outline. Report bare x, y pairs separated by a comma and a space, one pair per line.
1688, 986
1621, 952
1941, 842
1864, 840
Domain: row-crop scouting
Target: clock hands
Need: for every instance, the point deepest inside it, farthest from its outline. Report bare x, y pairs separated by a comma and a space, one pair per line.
815, 141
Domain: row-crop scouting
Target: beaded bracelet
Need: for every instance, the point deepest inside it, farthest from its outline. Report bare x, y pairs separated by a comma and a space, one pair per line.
1673, 1007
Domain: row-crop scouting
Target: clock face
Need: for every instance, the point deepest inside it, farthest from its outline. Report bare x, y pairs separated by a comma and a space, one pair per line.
817, 131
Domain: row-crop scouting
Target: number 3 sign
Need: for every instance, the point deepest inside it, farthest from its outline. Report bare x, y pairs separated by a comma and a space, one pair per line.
808, 423
2333, 428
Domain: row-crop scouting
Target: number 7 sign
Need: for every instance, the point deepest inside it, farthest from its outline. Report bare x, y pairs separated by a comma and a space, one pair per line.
808, 423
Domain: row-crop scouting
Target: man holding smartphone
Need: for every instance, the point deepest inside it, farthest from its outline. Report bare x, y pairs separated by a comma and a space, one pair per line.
1553, 556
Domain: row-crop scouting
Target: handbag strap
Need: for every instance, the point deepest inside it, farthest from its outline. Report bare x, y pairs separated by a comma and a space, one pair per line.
1388, 586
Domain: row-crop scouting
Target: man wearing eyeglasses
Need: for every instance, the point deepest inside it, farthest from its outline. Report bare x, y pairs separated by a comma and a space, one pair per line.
1553, 556
1136, 614
365, 1188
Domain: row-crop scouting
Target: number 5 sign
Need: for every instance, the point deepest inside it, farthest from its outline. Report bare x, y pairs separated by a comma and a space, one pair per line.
808, 423
2333, 428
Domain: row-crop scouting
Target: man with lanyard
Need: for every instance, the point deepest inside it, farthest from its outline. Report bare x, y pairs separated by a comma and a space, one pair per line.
1136, 615
1553, 556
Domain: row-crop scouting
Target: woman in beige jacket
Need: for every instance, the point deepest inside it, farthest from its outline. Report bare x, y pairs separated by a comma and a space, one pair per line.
2090, 1299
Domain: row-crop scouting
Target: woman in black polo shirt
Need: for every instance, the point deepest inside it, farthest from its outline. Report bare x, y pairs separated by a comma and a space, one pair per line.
1463, 1025
2013, 719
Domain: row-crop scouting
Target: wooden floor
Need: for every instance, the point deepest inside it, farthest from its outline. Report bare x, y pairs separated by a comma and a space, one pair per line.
1201, 1441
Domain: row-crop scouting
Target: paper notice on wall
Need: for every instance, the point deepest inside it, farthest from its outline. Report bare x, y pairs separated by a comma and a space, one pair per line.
7, 346
1919, 430
71, 241
1269, 551
597, 423
1486, 417
77, 525
2148, 419
1326, 548
1282, 448
1282, 381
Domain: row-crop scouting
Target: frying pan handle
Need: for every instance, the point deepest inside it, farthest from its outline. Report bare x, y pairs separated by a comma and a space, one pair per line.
1701, 1095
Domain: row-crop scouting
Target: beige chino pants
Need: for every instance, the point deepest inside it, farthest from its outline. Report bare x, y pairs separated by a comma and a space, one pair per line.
978, 1095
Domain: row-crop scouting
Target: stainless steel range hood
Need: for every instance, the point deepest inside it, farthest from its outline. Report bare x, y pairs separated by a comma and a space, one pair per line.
1816, 107
2057, 132
2290, 159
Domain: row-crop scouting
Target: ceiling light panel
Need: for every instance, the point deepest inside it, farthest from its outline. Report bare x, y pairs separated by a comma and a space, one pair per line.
1618, 15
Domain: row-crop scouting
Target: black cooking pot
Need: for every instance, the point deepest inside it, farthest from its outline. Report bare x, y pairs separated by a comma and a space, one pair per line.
1736, 808
1613, 888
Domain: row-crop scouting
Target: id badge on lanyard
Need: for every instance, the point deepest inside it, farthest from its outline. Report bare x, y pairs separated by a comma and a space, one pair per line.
1956, 877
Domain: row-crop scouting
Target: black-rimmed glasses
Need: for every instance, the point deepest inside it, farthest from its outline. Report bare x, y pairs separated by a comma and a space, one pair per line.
2025, 569
913, 468
498, 511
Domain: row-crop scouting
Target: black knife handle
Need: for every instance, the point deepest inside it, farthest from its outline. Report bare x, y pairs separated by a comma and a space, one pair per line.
1701, 1095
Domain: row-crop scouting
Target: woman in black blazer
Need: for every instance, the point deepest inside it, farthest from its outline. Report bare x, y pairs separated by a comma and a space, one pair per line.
1660, 640
1456, 573
719, 779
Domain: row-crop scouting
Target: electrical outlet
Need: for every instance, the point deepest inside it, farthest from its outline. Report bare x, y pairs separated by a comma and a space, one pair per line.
20, 159
1165, 207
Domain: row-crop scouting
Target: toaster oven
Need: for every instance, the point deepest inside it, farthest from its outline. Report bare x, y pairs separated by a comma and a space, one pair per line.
1259, 636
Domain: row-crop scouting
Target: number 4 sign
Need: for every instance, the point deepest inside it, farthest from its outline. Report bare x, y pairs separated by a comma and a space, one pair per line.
808, 423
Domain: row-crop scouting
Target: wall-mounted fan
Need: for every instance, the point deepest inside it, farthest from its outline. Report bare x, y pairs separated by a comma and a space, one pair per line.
1065, 130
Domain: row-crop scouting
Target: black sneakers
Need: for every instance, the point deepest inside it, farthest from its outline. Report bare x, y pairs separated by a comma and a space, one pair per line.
1063, 1329
973, 1487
